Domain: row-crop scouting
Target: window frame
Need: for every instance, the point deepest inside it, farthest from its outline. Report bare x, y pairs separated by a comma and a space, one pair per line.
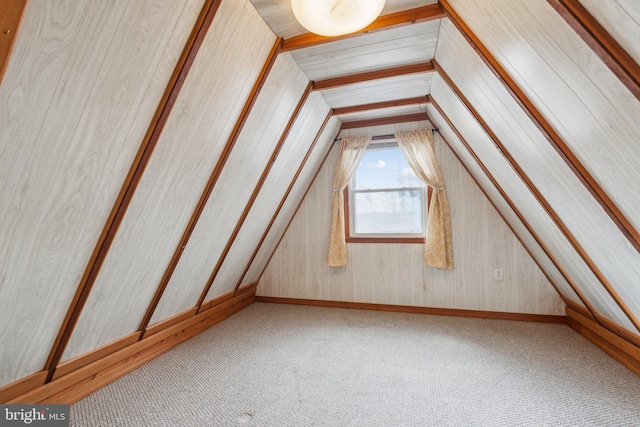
377, 238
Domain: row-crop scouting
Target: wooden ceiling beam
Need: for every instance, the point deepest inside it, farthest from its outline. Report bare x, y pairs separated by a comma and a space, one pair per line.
381, 105
425, 67
556, 141
10, 20
601, 42
405, 118
385, 22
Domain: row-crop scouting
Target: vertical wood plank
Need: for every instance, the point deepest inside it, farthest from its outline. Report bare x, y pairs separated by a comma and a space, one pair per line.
10, 20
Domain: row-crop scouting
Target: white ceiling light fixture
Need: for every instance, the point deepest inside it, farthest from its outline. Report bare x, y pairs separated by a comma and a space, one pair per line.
336, 17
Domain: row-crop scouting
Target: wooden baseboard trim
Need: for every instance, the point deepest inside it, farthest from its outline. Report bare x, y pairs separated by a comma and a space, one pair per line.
83, 381
622, 350
577, 307
97, 354
524, 317
167, 323
23, 385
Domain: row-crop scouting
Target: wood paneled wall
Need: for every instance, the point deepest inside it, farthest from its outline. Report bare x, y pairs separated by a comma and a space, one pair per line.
205, 113
531, 208
70, 128
394, 273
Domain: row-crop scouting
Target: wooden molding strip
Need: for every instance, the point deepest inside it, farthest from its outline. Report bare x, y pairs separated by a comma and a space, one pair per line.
515, 209
213, 179
425, 67
24, 385
600, 41
10, 20
74, 386
254, 195
385, 22
405, 118
326, 156
96, 354
167, 323
617, 329
380, 105
283, 200
524, 317
131, 182
541, 199
535, 237
626, 228
620, 349
580, 309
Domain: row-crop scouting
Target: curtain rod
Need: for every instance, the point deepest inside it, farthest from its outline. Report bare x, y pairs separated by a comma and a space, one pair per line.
379, 137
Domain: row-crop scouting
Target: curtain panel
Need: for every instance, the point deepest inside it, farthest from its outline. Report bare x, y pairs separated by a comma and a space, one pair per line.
352, 150
417, 147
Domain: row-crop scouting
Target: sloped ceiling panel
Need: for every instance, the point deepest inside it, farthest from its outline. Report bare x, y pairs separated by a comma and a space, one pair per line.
621, 19
292, 202
205, 113
556, 69
277, 101
406, 45
536, 251
69, 131
532, 210
387, 89
296, 146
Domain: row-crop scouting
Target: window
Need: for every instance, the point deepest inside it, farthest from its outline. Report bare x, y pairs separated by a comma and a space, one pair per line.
385, 200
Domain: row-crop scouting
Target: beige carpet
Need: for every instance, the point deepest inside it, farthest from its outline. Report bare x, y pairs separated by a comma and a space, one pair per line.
280, 365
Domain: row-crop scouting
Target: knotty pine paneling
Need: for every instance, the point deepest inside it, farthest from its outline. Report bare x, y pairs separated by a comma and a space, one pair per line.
406, 45
296, 146
278, 15
582, 99
395, 273
325, 141
530, 208
221, 78
610, 251
389, 89
621, 19
273, 109
81, 88
505, 210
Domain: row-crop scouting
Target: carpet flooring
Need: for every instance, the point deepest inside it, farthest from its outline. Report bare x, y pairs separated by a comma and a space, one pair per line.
282, 365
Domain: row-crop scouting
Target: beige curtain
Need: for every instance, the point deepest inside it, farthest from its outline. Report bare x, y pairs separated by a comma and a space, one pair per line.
351, 152
417, 147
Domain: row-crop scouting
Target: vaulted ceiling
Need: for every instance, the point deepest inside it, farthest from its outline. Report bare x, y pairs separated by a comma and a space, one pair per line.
153, 153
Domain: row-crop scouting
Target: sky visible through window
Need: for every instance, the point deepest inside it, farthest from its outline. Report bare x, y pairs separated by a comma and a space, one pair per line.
386, 212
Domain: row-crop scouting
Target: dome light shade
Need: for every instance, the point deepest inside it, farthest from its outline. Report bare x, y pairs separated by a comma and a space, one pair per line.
336, 17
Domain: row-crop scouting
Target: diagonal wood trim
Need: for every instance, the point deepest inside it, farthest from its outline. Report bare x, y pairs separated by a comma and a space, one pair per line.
326, 156
254, 195
385, 22
10, 20
626, 228
405, 118
425, 67
522, 317
542, 200
213, 179
85, 380
526, 248
282, 201
601, 42
380, 105
131, 182
515, 209
580, 309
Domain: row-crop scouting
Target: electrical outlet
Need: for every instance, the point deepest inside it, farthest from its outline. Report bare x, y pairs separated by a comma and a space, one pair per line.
498, 274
